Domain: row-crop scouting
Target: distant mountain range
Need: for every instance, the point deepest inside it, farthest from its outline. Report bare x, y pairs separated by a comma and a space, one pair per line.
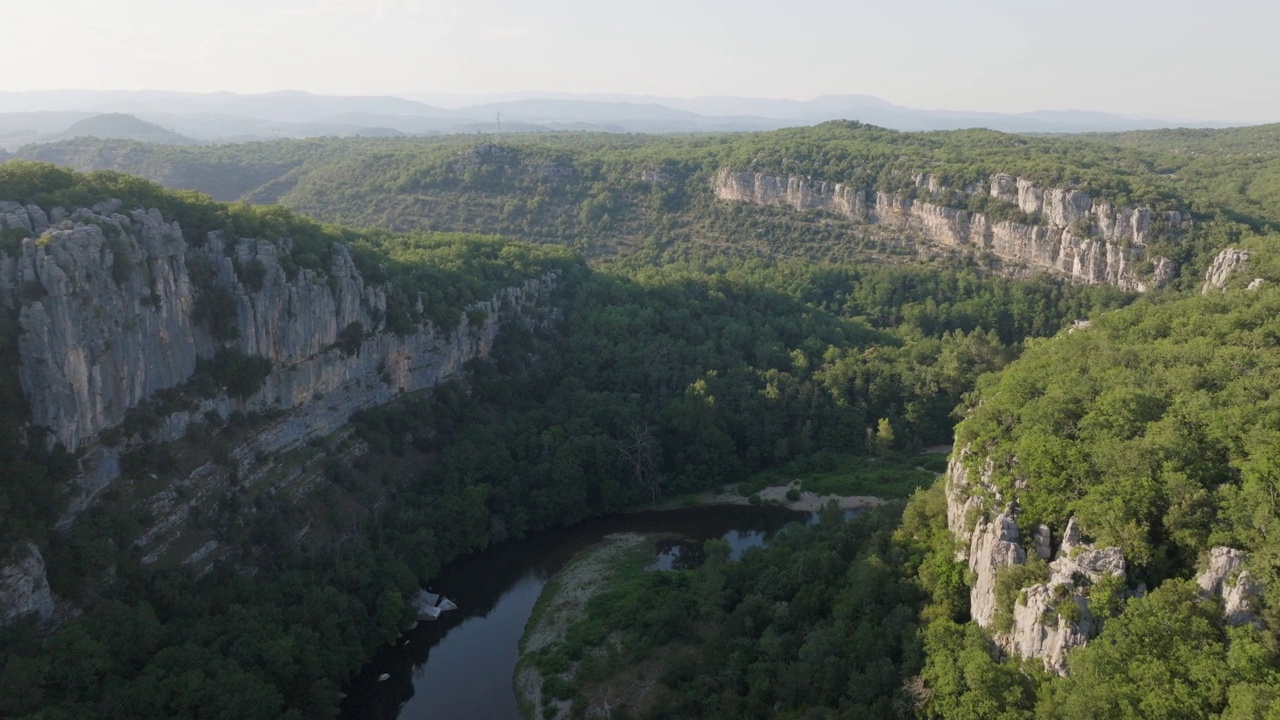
177, 117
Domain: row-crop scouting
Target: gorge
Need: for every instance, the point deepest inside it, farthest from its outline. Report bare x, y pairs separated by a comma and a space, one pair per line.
237, 441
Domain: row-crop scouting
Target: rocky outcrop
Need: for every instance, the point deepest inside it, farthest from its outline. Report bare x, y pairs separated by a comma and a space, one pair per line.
1226, 577
1048, 618
105, 305
24, 588
1061, 598
1052, 616
993, 546
1089, 240
1226, 263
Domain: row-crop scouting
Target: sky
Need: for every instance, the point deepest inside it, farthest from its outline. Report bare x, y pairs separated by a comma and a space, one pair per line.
1167, 59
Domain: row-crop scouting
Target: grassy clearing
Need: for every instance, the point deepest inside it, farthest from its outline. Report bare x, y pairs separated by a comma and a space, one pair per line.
846, 475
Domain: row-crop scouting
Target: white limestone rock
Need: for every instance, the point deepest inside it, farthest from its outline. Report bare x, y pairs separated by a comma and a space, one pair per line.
993, 546
1040, 628
1043, 542
24, 588
1227, 577
1223, 265
1090, 241
793, 192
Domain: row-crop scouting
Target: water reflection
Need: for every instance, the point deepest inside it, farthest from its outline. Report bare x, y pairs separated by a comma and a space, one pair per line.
684, 553
461, 666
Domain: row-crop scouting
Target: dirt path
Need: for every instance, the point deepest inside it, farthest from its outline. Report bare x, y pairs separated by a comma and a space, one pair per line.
561, 603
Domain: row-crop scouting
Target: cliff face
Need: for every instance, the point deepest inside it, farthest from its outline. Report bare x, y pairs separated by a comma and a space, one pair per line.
1047, 619
1089, 240
795, 193
108, 311
114, 311
104, 324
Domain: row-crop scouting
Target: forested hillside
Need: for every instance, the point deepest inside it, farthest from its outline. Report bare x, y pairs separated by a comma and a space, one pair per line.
607, 193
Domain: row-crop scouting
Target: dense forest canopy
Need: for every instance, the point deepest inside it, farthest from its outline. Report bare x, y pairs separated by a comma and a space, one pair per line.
1155, 427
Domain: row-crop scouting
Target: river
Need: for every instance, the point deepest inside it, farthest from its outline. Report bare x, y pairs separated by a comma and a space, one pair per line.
461, 666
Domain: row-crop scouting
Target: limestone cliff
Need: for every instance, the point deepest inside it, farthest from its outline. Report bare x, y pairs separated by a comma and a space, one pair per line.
104, 323
795, 193
117, 311
1089, 240
107, 307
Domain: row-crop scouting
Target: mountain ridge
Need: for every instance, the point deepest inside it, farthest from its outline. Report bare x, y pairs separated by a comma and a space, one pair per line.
294, 113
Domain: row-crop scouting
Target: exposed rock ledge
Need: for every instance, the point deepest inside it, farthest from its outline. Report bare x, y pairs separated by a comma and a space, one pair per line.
1089, 240
108, 310
1043, 626
107, 304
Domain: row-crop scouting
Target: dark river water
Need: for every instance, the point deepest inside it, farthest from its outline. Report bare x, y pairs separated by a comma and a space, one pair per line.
461, 665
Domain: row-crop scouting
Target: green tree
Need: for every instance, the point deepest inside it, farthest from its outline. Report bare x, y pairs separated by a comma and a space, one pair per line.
884, 438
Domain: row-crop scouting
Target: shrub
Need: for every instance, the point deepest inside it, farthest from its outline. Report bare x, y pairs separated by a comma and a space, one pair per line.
241, 375
1009, 583
121, 260
351, 338
1070, 610
216, 310
253, 274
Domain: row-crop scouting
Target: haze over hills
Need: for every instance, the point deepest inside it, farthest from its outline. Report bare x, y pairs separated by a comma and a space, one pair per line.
43, 116
125, 127
865, 108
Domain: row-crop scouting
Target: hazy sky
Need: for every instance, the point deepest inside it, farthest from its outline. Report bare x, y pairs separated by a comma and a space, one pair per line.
1175, 59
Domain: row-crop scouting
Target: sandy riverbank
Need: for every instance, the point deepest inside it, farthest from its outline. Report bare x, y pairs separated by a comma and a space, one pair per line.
561, 603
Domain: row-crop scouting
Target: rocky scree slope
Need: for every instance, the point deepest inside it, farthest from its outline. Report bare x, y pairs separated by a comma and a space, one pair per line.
131, 336
1088, 240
